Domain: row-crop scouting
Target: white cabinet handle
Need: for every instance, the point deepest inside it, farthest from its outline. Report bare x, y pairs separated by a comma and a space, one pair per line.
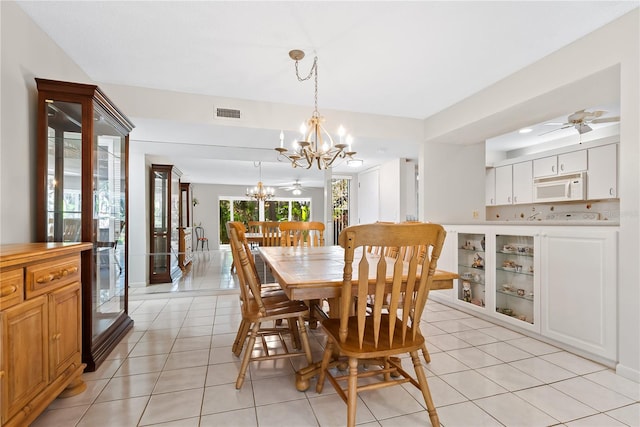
515, 199
509, 199
611, 191
562, 167
553, 168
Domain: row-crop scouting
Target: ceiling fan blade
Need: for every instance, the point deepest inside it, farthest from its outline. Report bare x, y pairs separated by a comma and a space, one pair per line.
563, 127
606, 120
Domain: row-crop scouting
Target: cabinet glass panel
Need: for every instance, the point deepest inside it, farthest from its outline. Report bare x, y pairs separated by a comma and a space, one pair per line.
161, 232
64, 171
514, 277
471, 262
109, 221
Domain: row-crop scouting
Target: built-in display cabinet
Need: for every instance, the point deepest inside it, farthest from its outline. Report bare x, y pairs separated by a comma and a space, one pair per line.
83, 145
471, 268
516, 287
556, 282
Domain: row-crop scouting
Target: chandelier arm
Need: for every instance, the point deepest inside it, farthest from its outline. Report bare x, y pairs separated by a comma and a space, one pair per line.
335, 157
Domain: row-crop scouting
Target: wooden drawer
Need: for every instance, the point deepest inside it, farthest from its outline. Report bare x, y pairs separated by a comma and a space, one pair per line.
11, 288
45, 277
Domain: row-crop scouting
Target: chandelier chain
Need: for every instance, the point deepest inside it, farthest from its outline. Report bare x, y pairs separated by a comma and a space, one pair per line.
312, 72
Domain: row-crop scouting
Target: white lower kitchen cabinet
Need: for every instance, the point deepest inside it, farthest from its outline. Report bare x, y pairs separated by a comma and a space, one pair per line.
557, 282
579, 284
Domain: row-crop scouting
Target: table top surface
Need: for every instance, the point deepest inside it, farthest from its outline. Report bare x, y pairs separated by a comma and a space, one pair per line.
315, 270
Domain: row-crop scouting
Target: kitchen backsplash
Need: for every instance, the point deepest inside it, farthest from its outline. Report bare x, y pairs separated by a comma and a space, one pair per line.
606, 210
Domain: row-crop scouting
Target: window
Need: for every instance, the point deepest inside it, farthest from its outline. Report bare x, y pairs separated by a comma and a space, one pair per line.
340, 203
245, 210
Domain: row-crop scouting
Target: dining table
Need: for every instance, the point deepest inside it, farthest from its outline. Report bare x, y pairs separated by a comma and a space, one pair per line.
316, 274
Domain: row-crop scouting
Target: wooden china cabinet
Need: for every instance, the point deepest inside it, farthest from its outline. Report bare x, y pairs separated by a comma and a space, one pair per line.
83, 143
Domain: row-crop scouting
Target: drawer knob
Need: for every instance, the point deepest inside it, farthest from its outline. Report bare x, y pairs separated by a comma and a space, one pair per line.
7, 290
56, 337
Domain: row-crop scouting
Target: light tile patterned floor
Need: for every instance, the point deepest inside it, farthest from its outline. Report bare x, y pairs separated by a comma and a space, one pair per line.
176, 369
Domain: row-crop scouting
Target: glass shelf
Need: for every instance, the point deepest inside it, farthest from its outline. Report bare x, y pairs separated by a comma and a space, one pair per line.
526, 273
515, 295
514, 265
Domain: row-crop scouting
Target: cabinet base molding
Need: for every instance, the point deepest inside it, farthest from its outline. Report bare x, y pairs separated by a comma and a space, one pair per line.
93, 357
75, 387
30, 412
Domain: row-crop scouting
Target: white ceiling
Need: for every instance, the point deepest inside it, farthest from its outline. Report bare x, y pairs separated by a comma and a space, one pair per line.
403, 59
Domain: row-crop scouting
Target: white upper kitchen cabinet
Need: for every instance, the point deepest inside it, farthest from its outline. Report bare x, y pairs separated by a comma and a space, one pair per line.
522, 183
545, 166
602, 176
574, 161
490, 187
504, 185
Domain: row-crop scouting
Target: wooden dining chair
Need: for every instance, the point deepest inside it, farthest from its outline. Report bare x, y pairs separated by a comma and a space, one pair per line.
257, 311
383, 332
272, 292
270, 233
302, 233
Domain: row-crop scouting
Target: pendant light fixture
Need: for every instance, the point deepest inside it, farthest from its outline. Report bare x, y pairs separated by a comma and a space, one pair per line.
317, 146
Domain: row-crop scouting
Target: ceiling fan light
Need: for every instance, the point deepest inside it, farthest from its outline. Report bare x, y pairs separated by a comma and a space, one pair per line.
583, 128
525, 130
297, 192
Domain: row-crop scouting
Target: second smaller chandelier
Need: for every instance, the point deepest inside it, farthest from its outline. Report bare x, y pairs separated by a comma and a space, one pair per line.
317, 147
260, 192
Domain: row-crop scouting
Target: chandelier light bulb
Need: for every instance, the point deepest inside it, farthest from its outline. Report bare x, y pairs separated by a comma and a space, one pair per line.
303, 129
281, 139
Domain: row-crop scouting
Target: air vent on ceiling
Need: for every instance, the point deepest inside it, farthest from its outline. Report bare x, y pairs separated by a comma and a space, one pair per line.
227, 113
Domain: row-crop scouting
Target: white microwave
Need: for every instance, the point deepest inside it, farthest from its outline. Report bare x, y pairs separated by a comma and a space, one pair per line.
559, 188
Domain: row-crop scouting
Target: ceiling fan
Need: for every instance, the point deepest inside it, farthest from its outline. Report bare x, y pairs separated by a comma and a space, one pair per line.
580, 120
296, 188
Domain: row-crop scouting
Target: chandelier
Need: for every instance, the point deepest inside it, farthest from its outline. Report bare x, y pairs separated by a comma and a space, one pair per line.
260, 192
317, 146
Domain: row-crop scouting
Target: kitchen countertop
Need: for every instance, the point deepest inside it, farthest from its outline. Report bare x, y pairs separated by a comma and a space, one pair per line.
544, 223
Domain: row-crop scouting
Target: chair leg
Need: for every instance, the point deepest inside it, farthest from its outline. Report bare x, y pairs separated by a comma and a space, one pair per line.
326, 358
295, 334
241, 337
425, 353
424, 387
247, 355
352, 394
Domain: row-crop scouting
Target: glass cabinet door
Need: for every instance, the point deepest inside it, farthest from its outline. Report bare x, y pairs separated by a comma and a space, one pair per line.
515, 277
109, 195
471, 264
160, 262
64, 171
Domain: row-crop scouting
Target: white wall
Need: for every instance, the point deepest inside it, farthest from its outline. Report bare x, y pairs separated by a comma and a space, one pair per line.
390, 191
581, 74
27, 52
453, 188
